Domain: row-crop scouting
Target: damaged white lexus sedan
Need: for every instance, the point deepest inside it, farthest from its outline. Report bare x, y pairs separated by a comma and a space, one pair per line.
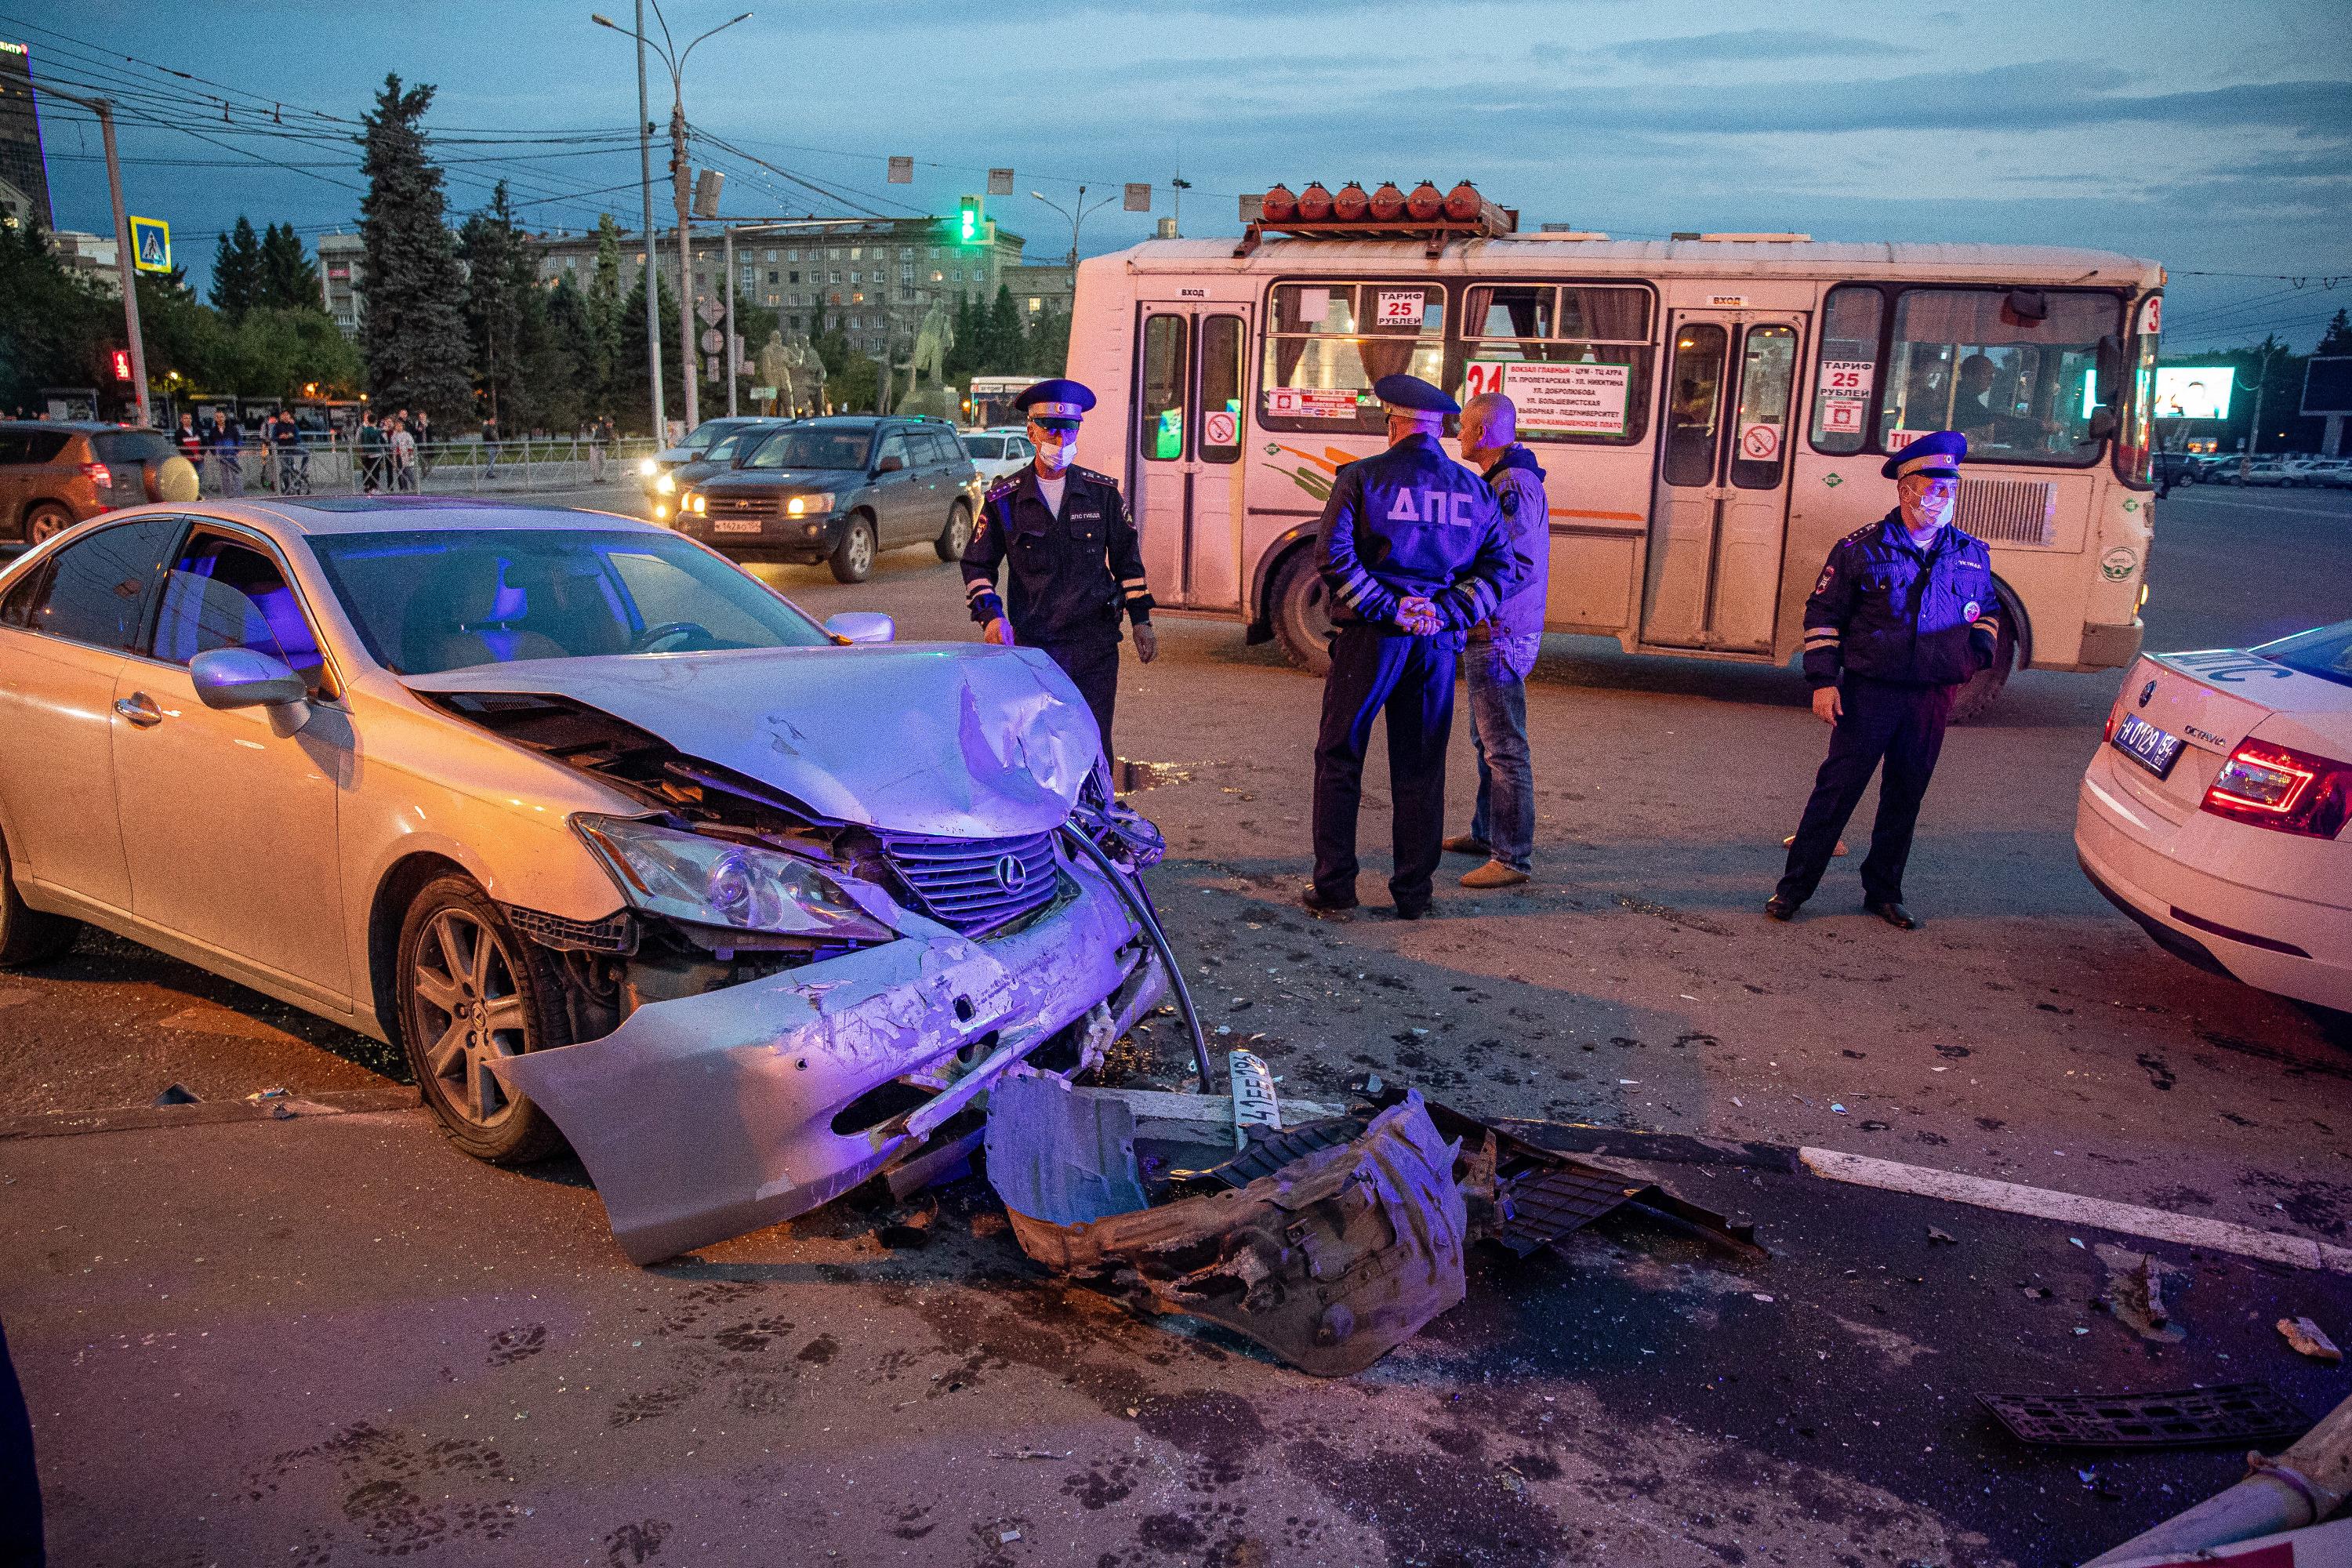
617, 844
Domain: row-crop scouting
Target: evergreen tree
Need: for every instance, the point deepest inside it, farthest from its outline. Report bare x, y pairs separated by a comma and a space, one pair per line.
505, 313
285, 279
999, 335
965, 357
570, 392
1046, 351
2337, 339
632, 399
413, 333
237, 269
600, 363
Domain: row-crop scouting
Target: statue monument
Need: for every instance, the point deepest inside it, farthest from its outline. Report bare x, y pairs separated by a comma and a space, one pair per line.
933, 338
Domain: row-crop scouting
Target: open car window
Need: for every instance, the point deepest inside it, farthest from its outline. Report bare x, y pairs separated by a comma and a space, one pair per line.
426, 601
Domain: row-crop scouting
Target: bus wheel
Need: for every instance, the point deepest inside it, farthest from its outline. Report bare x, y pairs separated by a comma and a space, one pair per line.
1301, 613
1977, 698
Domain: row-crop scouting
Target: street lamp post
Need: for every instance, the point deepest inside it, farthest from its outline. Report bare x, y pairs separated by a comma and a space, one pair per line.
680, 179
125, 260
1076, 217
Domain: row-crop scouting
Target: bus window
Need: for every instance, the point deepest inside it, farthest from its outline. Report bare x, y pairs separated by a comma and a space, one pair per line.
1690, 410
1767, 365
1575, 360
1330, 342
1848, 370
2134, 451
2021, 387
1163, 387
1221, 389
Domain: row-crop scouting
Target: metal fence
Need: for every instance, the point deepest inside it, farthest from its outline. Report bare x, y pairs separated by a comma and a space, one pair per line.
524, 465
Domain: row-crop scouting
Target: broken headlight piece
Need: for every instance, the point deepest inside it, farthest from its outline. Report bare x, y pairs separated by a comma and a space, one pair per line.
719, 882
1123, 832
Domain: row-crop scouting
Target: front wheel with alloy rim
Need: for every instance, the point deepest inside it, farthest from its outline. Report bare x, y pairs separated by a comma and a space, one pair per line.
853, 558
46, 521
471, 990
956, 534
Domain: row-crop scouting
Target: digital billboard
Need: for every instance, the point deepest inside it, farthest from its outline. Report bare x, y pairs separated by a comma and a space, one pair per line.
2327, 384
2193, 392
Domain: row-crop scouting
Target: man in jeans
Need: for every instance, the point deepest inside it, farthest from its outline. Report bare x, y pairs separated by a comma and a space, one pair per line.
1503, 649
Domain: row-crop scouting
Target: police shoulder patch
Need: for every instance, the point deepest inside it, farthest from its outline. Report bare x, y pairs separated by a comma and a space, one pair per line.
1509, 501
1093, 477
1829, 575
1002, 488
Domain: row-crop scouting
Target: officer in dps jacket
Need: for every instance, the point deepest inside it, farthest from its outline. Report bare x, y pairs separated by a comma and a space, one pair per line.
1071, 562
1903, 615
1414, 553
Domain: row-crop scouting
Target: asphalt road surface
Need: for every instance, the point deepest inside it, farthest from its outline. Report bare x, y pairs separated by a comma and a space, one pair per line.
328, 1339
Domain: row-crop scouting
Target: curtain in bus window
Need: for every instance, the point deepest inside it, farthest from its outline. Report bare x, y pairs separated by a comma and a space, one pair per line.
1401, 320
1163, 387
1848, 371
2021, 388
1695, 395
1604, 315
1221, 389
1499, 315
1768, 363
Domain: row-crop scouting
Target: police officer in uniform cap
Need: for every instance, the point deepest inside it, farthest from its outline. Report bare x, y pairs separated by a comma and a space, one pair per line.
1904, 613
1069, 554
1415, 552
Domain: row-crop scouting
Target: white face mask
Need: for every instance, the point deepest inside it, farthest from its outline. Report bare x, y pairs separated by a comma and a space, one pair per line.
1055, 448
1933, 509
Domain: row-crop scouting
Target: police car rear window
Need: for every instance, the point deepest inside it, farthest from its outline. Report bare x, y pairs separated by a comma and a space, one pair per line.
2326, 652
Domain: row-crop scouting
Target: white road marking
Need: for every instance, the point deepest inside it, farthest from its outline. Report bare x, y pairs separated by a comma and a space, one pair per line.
2310, 511
2072, 1208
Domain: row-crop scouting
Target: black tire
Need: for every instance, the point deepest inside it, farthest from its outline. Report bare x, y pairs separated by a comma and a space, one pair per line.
28, 935
1298, 606
45, 519
458, 1007
956, 535
853, 558
1977, 698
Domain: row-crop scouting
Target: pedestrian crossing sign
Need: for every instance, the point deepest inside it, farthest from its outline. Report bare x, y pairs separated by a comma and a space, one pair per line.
150, 244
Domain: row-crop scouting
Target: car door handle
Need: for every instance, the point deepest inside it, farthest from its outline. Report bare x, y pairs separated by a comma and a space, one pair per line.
139, 709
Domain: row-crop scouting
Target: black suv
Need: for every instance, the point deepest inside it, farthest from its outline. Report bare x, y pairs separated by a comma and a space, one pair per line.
839, 489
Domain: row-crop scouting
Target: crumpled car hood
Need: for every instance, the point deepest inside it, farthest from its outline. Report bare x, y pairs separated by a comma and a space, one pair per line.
943, 738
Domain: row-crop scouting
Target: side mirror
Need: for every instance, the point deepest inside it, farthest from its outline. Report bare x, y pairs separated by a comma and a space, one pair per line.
863, 626
229, 677
2110, 361
889, 465
2103, 424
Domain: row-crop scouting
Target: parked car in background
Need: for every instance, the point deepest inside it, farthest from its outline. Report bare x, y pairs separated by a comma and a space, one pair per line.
840, 490
658, 472
54, 475
2214, 814
613, 840
716, 457
999, 452
2177, 469
2268, 469
2329, 473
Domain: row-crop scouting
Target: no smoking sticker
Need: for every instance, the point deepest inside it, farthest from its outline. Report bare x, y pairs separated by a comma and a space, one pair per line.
1759, 442
1217, 429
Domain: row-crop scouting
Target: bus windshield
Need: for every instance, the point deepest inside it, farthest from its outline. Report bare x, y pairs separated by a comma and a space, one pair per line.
2015, 370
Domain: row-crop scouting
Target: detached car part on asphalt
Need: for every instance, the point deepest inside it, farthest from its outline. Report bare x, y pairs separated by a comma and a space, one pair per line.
1329, 1242
618, 844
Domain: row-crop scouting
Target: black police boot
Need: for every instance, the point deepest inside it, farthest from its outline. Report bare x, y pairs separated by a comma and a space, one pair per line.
1893, 913
1781, 908
1412, 911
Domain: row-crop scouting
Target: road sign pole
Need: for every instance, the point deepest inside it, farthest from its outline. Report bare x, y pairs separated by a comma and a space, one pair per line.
730, 321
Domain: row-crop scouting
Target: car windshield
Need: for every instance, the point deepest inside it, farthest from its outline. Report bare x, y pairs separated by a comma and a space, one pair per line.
984, 445
431, 600
2326, 652
723, 450
807, 448
706, 432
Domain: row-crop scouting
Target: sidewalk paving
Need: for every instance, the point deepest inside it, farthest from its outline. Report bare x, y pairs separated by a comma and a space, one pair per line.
331, 1339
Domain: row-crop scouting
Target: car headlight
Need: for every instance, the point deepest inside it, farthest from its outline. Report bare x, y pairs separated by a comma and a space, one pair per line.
810, 504
648, 467
666, 483
717, 882
691, 500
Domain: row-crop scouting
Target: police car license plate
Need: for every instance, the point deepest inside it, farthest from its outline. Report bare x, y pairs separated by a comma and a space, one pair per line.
735, 525
2149, 746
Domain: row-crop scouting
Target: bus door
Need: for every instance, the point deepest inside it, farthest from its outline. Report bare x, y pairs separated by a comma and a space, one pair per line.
1721, 507
1190, 423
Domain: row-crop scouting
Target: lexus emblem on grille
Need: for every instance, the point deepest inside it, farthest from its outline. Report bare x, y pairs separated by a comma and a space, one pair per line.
2145, 692
1011, 874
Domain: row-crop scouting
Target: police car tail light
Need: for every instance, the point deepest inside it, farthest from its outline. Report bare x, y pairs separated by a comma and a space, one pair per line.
2280, 788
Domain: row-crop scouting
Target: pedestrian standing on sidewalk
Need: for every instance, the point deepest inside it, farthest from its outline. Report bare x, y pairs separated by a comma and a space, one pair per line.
420, 429
403, 457
490, 447
370, 444
600, 433
191, 442
1903, 615
228, 453
1413, 552
1502, 651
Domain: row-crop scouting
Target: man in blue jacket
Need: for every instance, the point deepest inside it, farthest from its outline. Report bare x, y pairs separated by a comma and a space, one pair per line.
1903, 615
1414, 553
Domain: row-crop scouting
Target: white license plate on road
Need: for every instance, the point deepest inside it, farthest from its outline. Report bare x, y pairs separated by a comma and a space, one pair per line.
735, 525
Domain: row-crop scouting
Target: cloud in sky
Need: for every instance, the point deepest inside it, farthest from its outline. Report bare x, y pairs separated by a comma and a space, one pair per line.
2006, 122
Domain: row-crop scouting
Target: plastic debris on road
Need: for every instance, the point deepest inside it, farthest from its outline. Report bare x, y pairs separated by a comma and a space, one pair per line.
2310, 1339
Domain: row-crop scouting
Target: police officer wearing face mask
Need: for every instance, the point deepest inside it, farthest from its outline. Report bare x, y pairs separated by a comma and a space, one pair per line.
1903, 615
1415, 552
1069, 554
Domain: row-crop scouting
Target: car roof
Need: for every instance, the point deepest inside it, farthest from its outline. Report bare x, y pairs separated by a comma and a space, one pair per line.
319, 515
82, 427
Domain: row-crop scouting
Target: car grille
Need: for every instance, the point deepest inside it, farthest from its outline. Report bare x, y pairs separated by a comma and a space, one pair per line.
718, 505
970, 883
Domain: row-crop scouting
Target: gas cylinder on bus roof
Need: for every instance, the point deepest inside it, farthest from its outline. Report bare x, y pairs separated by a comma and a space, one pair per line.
1314, 202
1388, 202
1277, 206
1464, 203
1425, 206
1351, 204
